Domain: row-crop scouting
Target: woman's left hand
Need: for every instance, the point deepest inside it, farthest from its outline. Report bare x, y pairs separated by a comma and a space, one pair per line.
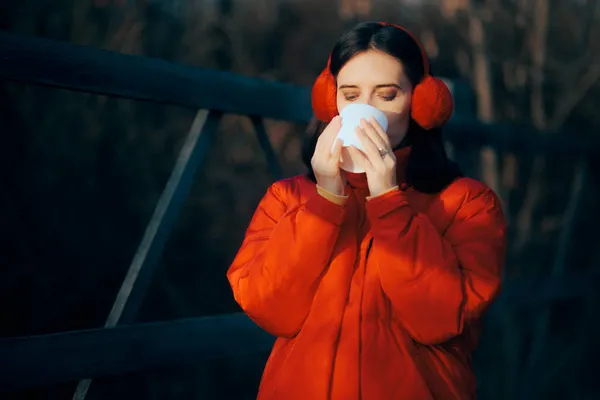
378, 160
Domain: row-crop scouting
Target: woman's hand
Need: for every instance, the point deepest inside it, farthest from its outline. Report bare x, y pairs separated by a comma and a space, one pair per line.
325, 162
380, 169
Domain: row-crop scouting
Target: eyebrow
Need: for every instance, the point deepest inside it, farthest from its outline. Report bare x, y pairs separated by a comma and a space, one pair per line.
385, 85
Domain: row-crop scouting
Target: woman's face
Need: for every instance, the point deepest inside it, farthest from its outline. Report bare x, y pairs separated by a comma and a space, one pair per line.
377, 79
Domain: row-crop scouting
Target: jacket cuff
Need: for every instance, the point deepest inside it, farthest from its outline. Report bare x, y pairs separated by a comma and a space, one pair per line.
334, 198
381, 194
380, 206
326, 209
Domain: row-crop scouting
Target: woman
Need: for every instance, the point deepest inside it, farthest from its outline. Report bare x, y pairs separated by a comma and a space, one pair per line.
374, 284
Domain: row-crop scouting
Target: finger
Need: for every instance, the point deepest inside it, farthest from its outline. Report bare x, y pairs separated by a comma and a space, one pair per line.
382, 134
327, 137
331, 131
335, 125
382, 143
336, 154
373, 135
359, 158
371, 149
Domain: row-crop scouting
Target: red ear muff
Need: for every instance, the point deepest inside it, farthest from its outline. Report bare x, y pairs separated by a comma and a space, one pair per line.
432, 104
324, 93
431, 107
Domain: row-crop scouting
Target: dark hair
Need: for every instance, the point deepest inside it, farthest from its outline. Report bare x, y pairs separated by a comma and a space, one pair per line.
428, 170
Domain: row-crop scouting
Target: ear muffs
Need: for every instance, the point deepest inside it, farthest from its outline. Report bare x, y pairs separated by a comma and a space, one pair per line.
431, 107
324, 95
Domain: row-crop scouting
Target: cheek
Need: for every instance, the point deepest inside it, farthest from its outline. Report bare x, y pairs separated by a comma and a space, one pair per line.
396, 123
396, 111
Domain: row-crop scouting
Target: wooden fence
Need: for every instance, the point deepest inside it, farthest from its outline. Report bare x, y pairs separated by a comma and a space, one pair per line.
122, 346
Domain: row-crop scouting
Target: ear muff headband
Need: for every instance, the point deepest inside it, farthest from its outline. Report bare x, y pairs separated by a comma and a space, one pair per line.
431, 106
424, 57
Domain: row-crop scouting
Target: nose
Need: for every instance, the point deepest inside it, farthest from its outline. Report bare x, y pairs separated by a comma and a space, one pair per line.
368, 100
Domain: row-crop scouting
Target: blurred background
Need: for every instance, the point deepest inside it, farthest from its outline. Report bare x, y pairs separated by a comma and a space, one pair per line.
81, 174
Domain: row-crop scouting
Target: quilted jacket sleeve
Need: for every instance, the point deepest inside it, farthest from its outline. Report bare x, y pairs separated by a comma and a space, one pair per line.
285, 252
436, 284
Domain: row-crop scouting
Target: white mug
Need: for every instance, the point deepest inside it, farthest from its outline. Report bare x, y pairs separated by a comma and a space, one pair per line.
350, 119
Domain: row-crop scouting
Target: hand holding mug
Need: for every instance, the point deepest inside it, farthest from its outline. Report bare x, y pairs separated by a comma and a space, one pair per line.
326, 159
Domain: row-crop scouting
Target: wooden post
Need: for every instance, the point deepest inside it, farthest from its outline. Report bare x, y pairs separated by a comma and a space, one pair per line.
141, 270
267, 147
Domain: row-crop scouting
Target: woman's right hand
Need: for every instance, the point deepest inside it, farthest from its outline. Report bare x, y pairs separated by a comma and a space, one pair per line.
325, 162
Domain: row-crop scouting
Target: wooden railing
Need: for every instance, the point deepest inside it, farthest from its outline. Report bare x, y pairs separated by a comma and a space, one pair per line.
122, 346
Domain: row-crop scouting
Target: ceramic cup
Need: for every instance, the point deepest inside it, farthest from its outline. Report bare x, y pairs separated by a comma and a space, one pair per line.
350, 119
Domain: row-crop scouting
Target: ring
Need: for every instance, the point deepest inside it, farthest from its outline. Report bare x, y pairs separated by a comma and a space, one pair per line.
383, 152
